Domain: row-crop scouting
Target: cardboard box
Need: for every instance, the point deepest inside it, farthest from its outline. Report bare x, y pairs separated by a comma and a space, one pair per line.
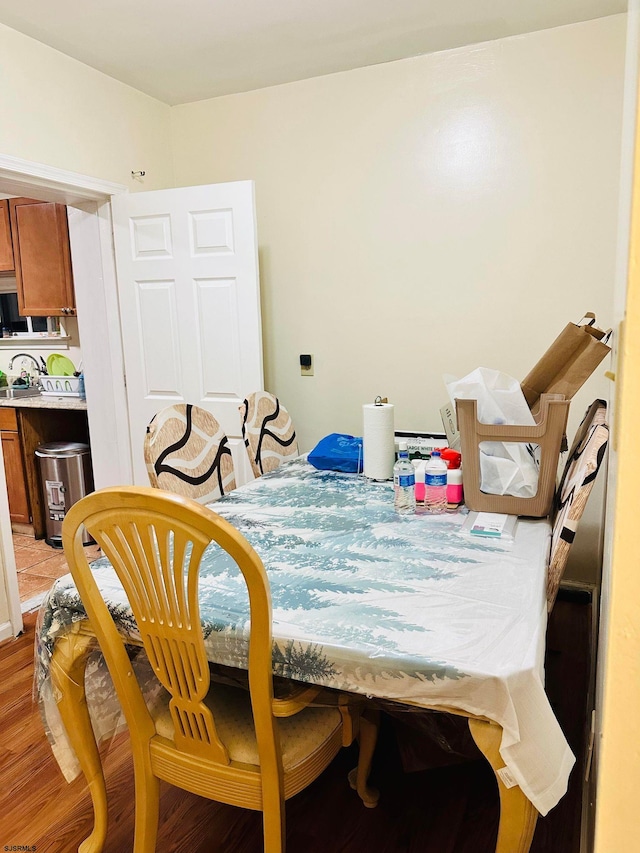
568, 362
547, 434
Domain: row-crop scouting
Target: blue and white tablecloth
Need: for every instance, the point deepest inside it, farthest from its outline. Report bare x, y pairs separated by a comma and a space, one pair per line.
404, 608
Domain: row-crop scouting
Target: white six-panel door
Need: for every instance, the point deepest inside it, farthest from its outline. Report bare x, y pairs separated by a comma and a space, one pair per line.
187, 267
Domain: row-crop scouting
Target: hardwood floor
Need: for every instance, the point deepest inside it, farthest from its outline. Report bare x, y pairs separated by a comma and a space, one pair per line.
448, 809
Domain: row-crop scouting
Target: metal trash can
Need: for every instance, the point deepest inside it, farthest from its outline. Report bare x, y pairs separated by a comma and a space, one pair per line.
66, 476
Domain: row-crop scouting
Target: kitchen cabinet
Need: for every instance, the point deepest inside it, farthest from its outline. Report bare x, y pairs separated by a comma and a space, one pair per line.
7, 263
14, 468
22, 430
40, 234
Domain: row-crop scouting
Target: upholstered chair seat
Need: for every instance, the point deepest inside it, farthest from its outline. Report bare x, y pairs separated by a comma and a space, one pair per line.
187, 452
267, 431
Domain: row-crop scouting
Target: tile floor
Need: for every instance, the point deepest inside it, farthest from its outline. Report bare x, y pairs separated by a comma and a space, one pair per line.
39, 564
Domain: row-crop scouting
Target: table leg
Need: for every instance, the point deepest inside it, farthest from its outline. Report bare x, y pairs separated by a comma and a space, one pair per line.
68, 664
517, 815
359, 776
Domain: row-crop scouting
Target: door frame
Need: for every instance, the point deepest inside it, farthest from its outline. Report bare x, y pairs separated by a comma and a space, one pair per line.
97, 301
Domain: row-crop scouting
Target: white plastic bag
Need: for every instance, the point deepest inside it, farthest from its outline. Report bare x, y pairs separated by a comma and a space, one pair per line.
505, 468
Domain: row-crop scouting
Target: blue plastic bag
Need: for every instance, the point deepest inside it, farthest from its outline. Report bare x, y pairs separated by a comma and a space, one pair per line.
337, 452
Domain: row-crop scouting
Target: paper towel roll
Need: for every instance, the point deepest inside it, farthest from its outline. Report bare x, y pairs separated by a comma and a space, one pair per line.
378, 440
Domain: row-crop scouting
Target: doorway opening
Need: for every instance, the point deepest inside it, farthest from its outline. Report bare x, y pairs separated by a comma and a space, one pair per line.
32, 348
29, 566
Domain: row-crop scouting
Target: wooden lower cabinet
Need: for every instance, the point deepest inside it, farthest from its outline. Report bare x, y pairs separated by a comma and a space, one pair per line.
22, 430
19, 508
16, 480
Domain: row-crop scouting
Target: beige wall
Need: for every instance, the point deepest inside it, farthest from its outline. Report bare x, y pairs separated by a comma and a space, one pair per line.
617, 813
56, 111
615, 770
425, 216
61, 113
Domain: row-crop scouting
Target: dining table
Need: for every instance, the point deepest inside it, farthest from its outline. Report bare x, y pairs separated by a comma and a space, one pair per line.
410, 609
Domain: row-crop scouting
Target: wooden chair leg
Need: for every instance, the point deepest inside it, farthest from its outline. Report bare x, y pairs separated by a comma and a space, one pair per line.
68, 665
367, 739
273, 826
517, 815
147, 794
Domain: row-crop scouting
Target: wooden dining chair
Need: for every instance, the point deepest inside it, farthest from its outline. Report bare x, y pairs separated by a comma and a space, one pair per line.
267, 431
581, 468
244, 748
187, 452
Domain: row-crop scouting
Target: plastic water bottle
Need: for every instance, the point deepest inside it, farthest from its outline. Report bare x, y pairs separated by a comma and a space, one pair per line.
404, 483
435, 481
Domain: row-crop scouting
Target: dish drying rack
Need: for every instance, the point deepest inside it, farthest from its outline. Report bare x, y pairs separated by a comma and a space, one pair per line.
62, 386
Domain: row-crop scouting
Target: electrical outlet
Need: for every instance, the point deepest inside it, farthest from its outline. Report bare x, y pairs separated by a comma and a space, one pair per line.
306, 365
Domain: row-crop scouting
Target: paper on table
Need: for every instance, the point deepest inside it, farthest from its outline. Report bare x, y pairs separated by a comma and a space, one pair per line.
493, 524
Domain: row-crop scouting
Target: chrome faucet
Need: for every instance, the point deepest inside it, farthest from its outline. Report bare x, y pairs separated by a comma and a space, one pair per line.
39, 369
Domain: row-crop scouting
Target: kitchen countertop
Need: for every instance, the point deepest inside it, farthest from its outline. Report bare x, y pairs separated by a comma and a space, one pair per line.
42, 402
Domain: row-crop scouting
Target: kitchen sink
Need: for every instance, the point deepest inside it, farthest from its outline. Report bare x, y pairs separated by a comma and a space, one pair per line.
15, 393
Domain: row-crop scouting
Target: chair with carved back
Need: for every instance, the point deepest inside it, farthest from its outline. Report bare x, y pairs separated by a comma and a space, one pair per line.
267, 431
244, 748
581, 468
187, 452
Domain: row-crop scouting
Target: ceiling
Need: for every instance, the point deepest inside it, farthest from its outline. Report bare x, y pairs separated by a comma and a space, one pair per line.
194, 49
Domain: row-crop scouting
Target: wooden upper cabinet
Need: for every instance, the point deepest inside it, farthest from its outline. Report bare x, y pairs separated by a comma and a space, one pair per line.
7, 263
42, 258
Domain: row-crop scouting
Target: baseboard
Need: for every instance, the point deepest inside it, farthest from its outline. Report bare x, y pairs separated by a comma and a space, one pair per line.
23, 529
6, 631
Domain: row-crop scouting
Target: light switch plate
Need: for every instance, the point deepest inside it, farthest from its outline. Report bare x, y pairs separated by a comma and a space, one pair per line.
307, 371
